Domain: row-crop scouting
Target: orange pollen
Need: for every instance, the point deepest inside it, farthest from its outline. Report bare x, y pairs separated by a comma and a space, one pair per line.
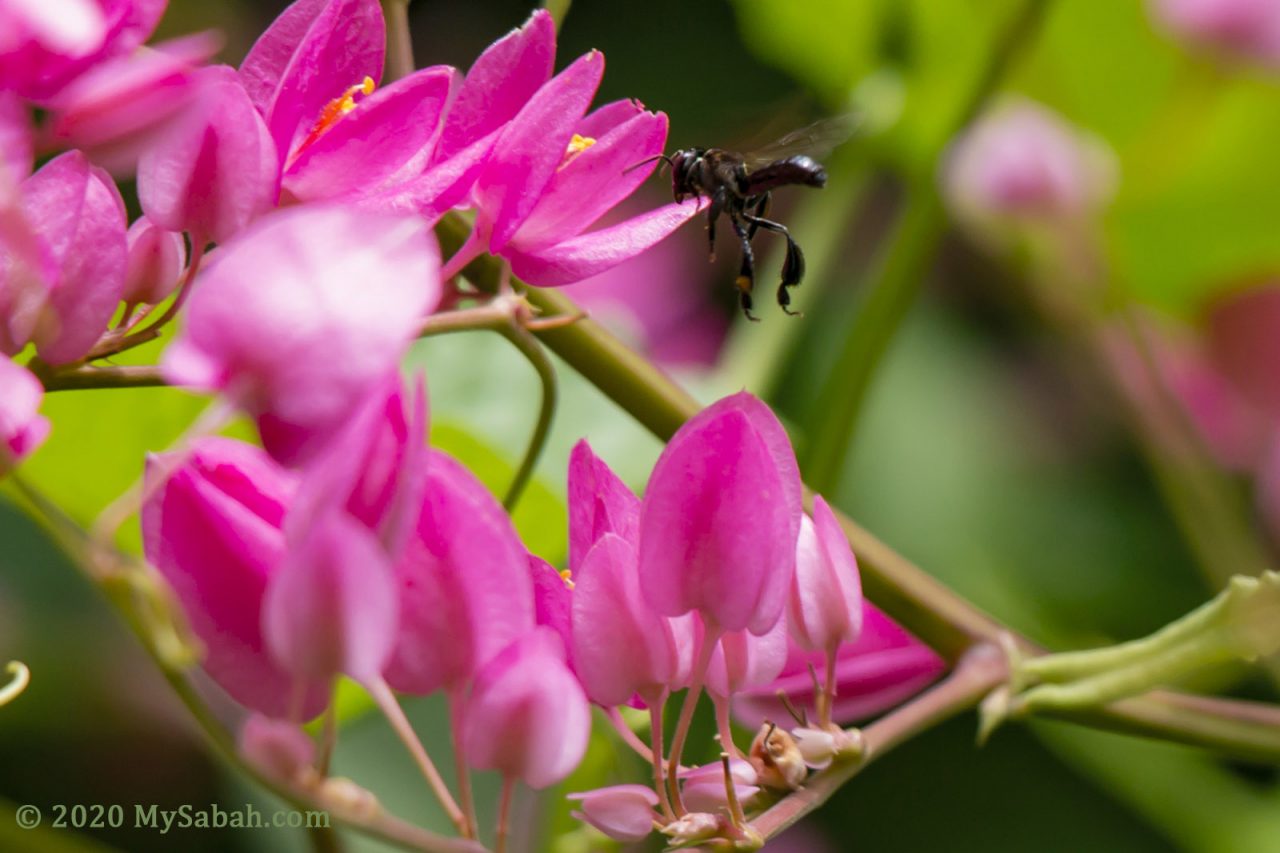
335, 110
567, 577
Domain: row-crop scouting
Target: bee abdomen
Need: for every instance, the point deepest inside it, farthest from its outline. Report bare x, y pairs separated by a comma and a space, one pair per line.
798, 169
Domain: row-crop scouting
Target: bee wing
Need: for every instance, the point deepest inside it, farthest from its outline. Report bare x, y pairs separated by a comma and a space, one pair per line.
816, 140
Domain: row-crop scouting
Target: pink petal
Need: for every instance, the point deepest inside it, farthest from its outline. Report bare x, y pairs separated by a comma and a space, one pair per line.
438, 189
530, 149
378, 139
552, 602
592, 253
604, 119
720, 518
303, 314
621, 647
215, 171
593, 182
500, 83
312, 55
465, 591
825, 607
599, 503
116, 109
213, 529
1244, 341
527, 717
78, 212
331, 606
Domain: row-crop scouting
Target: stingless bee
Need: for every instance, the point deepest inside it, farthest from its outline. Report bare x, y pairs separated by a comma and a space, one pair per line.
740, 187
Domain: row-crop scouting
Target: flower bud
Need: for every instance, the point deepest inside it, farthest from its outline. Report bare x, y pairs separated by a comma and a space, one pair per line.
527, 717
1234, 29
703, 788
281, 750
742, 660
622, 812
825, 607
78, 214
819, 747
22, 428
1022, 163
692, 828
155, 263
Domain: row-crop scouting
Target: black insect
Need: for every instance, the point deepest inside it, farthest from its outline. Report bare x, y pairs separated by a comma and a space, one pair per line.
740, 187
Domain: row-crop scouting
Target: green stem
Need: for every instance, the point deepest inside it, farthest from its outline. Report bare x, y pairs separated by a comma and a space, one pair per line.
537, 357
900, 273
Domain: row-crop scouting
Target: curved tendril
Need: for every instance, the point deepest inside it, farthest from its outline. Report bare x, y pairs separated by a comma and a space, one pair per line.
20, 677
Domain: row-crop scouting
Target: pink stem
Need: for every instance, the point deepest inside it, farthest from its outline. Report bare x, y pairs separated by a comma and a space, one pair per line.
457, 712
655, 704
723, 705
710, 636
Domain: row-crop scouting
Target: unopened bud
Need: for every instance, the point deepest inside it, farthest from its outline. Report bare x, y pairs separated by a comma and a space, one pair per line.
279, 749
349, 799
622, 812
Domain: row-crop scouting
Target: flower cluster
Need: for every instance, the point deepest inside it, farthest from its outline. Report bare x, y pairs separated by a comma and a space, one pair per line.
288, 214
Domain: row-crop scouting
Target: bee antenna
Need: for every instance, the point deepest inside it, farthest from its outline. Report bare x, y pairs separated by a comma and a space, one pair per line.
663, 157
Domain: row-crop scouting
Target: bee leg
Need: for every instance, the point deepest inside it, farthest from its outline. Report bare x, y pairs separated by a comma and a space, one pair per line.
792, 264
718, 201
759, 209
747, 272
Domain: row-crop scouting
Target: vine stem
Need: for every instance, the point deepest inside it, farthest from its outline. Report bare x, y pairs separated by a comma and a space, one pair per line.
399, 40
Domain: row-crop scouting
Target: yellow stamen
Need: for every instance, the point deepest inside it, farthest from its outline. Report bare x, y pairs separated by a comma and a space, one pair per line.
576, 146
334, 111
567, 577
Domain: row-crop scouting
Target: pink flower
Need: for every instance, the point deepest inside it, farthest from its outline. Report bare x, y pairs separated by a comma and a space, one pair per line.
17, 143
465, 591
26, 270
22, 428
527, 717
216, 169
277, 748
213, 528
78, 215
885, 666
599, 503
119, 107
1243, 29
1021, 162
622, 812
720, 519
553, 171
825, 608
330, 607
1244, 343
704, 787
300, 316
552, 602
45, 44
621, 647
155, 263
313, 76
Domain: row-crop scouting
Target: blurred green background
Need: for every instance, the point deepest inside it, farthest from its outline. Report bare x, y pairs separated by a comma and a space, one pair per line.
986, 452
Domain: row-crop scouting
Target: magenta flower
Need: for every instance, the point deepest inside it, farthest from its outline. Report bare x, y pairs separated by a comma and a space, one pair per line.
22, 427
278, 748
703, 788
120, 106
45, 44
465, 590
26, 270
216, 170
825, 608
1023, 163
155, 262
527, 717
213, 528
599, 503
621, 647
553, 171
1239, 29
330, 607
297, 319
622, 812
552, 602
884, 667
720, 519
78, 215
